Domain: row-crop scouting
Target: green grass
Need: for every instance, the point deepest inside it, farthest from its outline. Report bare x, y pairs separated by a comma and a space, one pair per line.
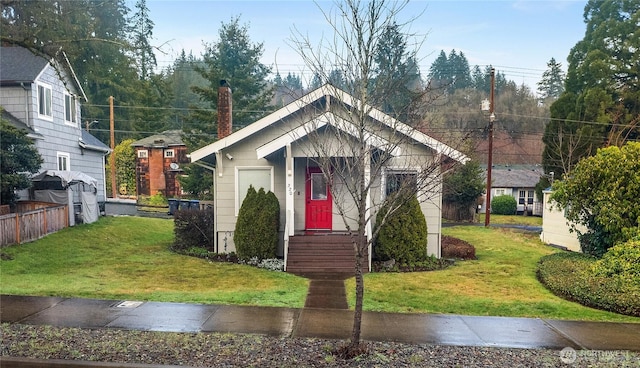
511, 220
128, 258
502, 282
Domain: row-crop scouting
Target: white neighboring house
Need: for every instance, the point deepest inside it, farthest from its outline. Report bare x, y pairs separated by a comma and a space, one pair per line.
555, 227
518, 181
272, 153
43, 98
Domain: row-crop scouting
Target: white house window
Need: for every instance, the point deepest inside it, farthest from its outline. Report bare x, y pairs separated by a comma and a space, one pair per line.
259, 177
168, 153
64, 161
530, 195
44, 101
143, 153
522, 194
397, 180
70, 109
500, 192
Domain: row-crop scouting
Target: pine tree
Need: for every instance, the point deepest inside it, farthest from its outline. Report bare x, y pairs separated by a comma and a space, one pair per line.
396, 67
551, 85
142, 34
236, 59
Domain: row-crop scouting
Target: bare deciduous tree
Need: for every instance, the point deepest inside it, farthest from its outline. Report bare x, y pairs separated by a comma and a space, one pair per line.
370, 160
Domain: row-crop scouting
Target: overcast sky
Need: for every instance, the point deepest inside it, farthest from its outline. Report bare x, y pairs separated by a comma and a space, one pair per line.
517, 37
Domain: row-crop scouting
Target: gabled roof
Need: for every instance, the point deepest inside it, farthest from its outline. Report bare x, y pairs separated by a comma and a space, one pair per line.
20, 65
515, 176
308, 99
161, 140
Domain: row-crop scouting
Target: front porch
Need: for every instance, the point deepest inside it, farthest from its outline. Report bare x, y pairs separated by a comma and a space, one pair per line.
322, 253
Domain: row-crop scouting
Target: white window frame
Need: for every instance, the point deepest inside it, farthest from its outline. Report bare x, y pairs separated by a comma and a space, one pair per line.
522, 197
169, 153
238, 202
391, 170
143, 154
47, 104
70, 115
66, 157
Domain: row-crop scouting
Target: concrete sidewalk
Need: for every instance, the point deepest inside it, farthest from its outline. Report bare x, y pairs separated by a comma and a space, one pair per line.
320, 323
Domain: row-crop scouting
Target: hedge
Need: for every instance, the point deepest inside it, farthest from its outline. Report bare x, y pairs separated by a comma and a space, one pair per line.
571, 276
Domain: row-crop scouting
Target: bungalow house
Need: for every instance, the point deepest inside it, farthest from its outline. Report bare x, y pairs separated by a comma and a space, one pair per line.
520, 182
42, 97
159, 161
275, 153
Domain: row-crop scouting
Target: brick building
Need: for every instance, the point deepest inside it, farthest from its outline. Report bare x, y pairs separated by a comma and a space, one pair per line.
159, 162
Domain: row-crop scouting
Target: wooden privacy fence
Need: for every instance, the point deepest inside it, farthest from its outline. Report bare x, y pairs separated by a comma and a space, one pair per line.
32, 221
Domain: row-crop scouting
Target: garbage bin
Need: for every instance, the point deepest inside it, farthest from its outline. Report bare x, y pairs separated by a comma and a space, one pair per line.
173, 205
195, 204
184, 204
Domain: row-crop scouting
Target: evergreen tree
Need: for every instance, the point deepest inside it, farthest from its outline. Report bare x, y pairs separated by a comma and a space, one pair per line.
142, 34
551, 85
439, 75
601, 104
459, 72
462, 188
316, 81
236, 59
180, 79
18, 157
396, 67
287, 89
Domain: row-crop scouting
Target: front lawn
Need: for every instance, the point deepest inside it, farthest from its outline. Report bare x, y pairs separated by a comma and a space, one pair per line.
502, 282
511, 220
128, 258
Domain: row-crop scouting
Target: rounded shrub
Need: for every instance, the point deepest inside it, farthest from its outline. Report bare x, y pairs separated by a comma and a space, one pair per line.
403, 237
256, 232
504, 205
621, 261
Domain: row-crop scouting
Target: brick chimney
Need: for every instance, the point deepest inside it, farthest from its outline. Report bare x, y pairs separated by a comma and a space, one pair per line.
224, 110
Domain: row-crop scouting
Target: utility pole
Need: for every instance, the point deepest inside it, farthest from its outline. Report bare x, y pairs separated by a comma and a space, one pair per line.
112, 157
492, 118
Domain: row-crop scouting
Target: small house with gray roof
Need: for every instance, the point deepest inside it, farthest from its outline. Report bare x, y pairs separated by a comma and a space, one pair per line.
520, 182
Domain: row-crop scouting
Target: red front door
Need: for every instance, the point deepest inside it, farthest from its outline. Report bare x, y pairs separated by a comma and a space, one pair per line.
318, 198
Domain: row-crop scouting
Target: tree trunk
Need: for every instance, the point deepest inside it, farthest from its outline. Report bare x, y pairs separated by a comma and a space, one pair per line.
357, 318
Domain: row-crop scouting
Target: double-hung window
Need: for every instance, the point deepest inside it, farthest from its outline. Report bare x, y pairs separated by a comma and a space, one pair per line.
64, 161
44, 101
70, 110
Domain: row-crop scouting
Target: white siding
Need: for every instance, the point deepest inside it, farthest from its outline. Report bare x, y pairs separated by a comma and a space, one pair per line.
555, 227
